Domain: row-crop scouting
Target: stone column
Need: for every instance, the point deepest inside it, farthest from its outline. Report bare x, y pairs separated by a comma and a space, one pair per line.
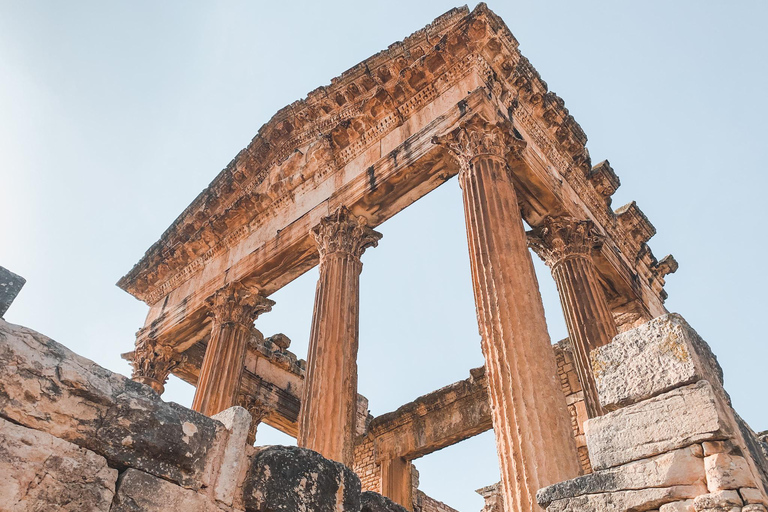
329, 405
396, 481
234, 309
533, 432
565, 245
258, 411
153, 361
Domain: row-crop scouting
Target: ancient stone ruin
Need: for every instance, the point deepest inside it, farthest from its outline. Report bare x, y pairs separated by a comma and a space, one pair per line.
628, 413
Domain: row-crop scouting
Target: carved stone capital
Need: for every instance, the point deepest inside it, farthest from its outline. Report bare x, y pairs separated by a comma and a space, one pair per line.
258, 410
153, 362
344, 232
477, 137
558, 238
238, 303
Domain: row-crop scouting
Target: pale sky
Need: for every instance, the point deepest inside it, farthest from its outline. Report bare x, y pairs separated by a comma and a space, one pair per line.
113, 117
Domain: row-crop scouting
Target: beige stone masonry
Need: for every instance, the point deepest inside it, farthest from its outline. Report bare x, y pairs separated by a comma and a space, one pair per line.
140, 491
672, 420
41, 472
645, 499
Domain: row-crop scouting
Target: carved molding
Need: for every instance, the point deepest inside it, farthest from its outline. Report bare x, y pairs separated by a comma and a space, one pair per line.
559, 238
344, 232
238, 303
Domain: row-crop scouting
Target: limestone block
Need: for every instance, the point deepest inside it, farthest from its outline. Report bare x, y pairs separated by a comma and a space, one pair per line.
233, 462
679, 467
141, 492
644, 499
754, 508
673, 420
753, 495
45, 386
41, 472
678, 506
374, 502
654, 358
292, 479
727, 472
717, 501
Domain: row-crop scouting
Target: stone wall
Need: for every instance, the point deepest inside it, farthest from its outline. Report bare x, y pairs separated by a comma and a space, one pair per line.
424, 503
77, 437
574, 397
365, 465
671, 441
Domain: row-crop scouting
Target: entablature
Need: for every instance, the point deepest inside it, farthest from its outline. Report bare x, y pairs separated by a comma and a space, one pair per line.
365, 142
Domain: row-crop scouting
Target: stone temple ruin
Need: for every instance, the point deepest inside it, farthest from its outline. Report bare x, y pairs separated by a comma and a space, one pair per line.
627, 414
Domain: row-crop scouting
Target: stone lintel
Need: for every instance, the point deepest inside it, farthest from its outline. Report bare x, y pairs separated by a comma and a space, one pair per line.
376, 144
434, 421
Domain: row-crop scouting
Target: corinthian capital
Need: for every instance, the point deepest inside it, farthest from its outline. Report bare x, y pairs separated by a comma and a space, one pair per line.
558, 238
477, 137
238, 303
344, 232
153, 361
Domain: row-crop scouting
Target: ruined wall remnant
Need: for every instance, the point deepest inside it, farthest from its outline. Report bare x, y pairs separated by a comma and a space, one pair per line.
671, 441
77, 437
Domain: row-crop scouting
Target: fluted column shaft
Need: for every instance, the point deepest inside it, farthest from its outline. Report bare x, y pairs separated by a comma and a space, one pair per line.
565, 245
533, 433
234, 309
329, 404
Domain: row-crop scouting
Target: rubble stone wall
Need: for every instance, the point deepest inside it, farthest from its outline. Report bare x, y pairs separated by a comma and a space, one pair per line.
671, 441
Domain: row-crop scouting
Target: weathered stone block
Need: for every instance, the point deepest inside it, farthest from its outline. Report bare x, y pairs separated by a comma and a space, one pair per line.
673, 420
754, 508
140, 492
291, 479
680, 467
678, 506
753, 495
45, 386
716, 501
652, 359
10, 286
727, 472
645, 499
233, 463
41, 472
374, 502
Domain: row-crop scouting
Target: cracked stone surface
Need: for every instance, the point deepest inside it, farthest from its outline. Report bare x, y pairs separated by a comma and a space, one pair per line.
140, 492
291, 479
45, 386
40, 472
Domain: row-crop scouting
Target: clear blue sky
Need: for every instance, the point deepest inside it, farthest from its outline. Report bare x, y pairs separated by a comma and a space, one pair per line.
113, 117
